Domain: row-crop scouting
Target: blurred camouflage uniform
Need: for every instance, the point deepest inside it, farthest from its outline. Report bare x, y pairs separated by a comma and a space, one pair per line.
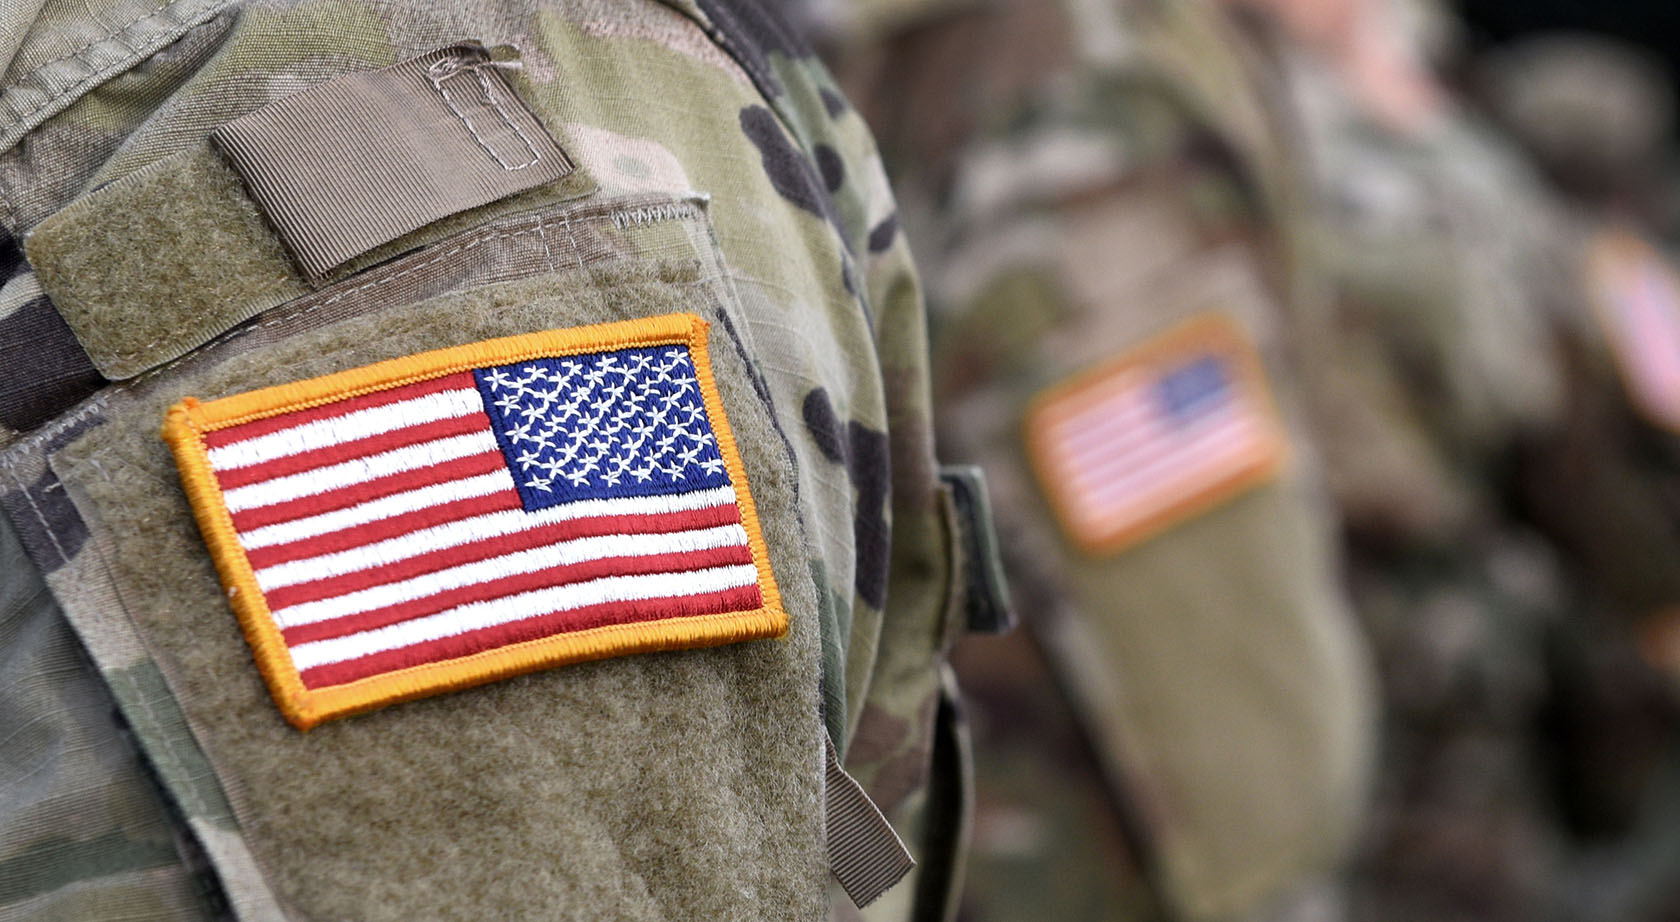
145, 775
1599, 118
1522, 727
1080, 179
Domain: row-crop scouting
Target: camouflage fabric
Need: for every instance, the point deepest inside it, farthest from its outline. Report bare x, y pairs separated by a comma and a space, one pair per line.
1078, 178
719, 170
1524, 735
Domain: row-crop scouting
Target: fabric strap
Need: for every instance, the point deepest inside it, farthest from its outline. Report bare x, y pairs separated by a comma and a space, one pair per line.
864, 853
982, 596
359, 161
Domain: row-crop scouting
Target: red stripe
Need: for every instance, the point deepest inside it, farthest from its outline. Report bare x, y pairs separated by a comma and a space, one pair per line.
370, 532
517, 583
446, 648
258, 427
411, 567
356, 448
305, 506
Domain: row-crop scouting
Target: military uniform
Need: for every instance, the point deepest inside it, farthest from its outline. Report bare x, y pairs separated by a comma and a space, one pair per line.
1105, 196
386, 185
1514, 700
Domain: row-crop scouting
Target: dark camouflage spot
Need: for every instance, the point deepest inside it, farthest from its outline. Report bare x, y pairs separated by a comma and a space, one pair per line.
790, 173
51, 528
750, 32
1209, 152
864, 454
833, 102
57, 376
11, 256
891, 752
882, 235
833, 170
824, 426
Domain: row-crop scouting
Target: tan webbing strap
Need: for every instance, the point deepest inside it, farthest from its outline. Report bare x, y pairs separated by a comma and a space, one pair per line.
343, 167
864, 853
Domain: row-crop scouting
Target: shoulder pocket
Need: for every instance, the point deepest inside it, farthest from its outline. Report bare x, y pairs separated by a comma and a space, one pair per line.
571, 761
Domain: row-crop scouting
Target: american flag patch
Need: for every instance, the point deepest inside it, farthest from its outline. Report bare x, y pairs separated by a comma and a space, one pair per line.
1638, 302
1162, 433
455, 517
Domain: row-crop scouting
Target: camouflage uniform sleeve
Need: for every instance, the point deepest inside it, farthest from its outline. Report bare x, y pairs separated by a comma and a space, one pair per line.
718, 174
881, 679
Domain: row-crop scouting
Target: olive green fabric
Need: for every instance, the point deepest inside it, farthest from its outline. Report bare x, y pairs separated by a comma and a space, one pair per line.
197, 284
349, 813
714, 174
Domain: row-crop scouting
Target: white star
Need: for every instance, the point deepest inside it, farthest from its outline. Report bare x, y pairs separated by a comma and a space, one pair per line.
539, 483
712, 465
642, 474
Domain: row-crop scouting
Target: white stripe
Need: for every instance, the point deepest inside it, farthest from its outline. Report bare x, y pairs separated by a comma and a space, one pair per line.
480, 615
559, 554
479, 528
1121, 410
1180, 462
1149, 488
358, 424
360, 470
1091, 428
435, 494
1144, 445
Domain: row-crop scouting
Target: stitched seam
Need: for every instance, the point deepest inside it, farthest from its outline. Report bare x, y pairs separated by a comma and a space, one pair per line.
82, 50
495, 103
39, 516
98, 402
577, 255
204, 315
653, 214
639, 217
548, 255
9, 464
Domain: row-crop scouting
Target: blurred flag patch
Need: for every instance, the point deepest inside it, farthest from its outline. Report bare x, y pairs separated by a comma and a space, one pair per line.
1159, 434
1638, 301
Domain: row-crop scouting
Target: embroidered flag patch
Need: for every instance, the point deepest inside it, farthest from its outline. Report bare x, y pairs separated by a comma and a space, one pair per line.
1638, 303
460, 516
1162, 433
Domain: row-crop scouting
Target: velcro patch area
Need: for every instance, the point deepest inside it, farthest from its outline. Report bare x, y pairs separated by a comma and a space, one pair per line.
1164, 432
1637, 298
459, 516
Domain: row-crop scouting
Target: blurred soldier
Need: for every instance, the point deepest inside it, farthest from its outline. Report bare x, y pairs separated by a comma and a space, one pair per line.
549, 435
1104, 199
1523, 727
1613, 158
1598, 117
